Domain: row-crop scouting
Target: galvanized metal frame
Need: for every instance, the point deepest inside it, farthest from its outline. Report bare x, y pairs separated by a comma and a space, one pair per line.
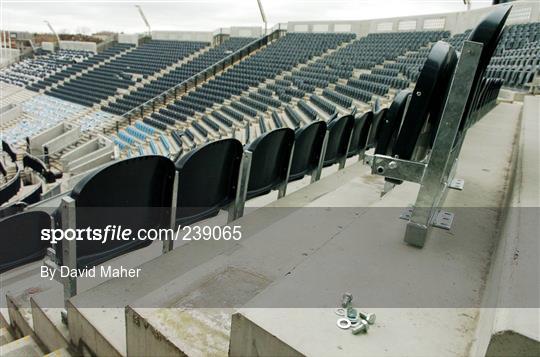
69, 250
282, 190
243, 182
316, 174
169, 243
436, 173
343, 159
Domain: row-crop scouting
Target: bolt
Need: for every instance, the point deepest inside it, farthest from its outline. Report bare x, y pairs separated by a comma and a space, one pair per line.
370, 318
362, 327
392, 165
380, 169
346, 300
352, 314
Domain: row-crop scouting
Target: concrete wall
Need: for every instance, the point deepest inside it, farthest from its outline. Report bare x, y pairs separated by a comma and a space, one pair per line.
205, 36
455, 22
128, 38
47, 46
79, 46
246, 31
10, 112
8, 56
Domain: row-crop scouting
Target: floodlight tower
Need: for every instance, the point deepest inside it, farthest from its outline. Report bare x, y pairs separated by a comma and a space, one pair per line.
52, 30
263, 16
144, 19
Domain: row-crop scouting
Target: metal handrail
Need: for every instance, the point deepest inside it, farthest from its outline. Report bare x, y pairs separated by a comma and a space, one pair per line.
203, 75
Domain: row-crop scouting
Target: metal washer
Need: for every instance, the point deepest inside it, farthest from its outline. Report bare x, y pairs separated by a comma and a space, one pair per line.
343, 323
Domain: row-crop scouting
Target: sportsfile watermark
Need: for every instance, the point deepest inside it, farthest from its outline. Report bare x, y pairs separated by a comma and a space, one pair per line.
119, 233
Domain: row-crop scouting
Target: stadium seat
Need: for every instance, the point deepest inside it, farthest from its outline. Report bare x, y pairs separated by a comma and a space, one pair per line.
339, 137
391, 122
208, 178
21, 239
139, 187
308, 147
360, 132
10, 188
271, 156
428, 99
378, 117
39, 167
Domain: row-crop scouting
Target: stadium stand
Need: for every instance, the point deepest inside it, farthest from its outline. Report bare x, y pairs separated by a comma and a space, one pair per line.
40, 66
124, 71
303, 102
176, 76
518, 55
72, 70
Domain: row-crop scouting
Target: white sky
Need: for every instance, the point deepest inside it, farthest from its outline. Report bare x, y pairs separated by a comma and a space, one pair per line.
122, 16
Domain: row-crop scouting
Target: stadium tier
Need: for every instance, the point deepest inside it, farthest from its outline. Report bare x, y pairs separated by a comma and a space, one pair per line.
329, 158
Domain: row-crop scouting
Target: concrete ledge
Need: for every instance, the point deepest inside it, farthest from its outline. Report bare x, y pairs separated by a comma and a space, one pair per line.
451, 258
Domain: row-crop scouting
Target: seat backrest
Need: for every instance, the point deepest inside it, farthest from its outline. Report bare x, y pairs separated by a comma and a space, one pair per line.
364, 134
9, 150
488, 32
134, 193
270, 161
427, 101
360, 132
378, 117
389, 126
208, 178
10, 188
307, 149
20, 235
38, 166
339, 133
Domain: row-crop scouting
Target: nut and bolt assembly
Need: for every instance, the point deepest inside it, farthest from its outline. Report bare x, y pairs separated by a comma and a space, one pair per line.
362, 327
357, 321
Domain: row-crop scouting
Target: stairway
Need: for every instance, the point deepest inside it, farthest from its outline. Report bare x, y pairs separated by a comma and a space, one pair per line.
26, 346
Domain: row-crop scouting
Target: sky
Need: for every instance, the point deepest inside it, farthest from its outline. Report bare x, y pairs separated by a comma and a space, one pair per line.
203, 15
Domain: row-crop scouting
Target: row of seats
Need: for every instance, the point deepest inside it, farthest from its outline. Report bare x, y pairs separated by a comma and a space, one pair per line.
177, 75
39, 113
40, 65
78, 67
517, 58
125, 71
280, 56
211, 177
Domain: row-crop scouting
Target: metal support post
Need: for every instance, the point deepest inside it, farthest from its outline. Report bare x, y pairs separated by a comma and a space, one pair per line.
243, 182
282, 191
168, 243
443, 158
435, 172
316, 174
69, 247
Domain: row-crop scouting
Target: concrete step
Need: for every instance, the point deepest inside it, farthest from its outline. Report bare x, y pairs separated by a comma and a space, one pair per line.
5, 336
63, 352
23, 347
104, 329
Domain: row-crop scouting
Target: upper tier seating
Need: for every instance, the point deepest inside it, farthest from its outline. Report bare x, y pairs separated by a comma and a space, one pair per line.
78, 67
124, 71
280, 56
518, 55
177, 75
41, 65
